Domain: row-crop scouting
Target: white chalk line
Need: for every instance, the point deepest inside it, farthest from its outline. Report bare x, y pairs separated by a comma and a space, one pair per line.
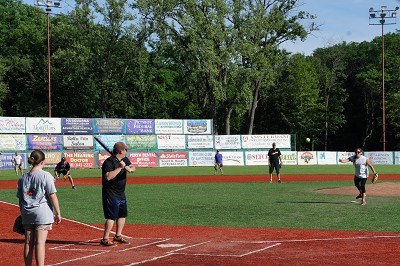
80, 258
144, 245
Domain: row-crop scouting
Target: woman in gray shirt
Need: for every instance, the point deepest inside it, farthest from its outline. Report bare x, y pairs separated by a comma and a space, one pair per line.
39, 207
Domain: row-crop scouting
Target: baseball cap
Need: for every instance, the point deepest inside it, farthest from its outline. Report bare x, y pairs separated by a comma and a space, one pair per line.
273, 144
119, 146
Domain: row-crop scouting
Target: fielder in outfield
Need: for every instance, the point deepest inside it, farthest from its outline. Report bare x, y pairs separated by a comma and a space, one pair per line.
115, 208
361, 164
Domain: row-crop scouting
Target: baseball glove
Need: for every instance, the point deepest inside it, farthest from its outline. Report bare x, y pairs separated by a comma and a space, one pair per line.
221, 165
375, 178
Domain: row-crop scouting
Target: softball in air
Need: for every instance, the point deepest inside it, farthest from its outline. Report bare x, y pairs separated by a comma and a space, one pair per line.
308, 139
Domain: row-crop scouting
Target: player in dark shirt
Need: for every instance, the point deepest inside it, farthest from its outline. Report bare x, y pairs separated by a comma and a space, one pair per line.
63, 168
275, 162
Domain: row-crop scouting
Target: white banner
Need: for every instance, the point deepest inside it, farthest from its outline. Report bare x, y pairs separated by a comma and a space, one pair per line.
397, 157
165, 126
256, 157
173, 142
327, 157
78, 142
197, 126
227, 142
344, 155
172, 159
43, 125
306, 157
379, 157
197, 158
12, 142
265, 141
12, 124
200, 142
289, 157
235, 158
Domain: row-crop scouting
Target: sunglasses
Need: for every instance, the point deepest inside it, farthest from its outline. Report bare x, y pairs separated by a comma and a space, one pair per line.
358, 152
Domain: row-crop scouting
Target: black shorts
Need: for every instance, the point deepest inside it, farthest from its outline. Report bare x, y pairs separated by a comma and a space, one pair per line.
63, 172
114, 208
360, 183
274, 165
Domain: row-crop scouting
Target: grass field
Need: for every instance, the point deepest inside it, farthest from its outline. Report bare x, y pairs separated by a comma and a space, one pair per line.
287, 205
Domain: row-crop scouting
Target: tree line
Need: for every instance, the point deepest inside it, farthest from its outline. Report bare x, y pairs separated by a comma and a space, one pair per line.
190, 59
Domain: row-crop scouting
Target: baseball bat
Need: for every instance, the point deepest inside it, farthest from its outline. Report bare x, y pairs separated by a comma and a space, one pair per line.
103, 145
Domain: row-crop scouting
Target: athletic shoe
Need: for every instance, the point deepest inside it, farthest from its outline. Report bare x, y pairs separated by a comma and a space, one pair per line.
73, 187
363, 203
359, 196
107, 243
279, 181
120, 239
270, 181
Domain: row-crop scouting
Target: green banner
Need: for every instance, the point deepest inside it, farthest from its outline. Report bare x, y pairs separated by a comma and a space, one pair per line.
141, 142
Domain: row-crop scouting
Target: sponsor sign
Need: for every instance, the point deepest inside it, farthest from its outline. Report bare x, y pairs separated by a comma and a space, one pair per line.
380, 157
227, 142
235, 158
165, 126
109, 140
256, 157
171, 159
44, 142
200, 142
101, 157
140, 126
52, 159
173, 142
306, 157
141, 142
327, 157
6, 160
344, 155
289, 157
78, 142
143, 159
43, 125
80, 159
265, 141
205, 158
397, 157
197, 126
12, 124
77, 125
109, 126
12, 142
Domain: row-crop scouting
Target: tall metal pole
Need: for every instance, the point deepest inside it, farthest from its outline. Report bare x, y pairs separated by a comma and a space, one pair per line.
383, 91
48, 62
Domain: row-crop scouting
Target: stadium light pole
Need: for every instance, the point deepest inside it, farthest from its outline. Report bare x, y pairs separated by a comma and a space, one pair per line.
48, 5
382, 17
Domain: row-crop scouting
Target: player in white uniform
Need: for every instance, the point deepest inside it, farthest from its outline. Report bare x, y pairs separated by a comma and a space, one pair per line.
17, 162
361, 164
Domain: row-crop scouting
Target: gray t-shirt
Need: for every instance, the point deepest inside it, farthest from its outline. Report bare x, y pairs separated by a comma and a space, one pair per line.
361, 167
33, 192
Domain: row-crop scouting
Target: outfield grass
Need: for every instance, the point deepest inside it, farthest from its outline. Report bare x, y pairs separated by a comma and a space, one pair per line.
228, 170
286, 205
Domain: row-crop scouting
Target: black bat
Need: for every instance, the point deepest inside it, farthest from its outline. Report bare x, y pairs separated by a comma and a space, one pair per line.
103, 145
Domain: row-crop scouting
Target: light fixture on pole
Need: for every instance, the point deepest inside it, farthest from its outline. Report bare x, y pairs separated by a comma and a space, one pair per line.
382, 17
48, 5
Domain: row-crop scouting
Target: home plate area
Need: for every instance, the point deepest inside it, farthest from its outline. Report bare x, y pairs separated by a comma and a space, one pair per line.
147, 250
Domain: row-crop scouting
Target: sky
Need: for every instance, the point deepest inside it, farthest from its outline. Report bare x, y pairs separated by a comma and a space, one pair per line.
342, 21
339, 20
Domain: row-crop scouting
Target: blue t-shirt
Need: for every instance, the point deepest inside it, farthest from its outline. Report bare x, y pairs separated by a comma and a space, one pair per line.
218, 158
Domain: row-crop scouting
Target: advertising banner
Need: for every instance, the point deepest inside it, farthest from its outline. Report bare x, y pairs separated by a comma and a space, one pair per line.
44, 142
80, 159
12, 124
397, 157
344, 155
109, 126
379, 157
80, 126
306, 157
265, 141
235, 158
143, 159
141, 142
101, 157
173, 142
52, 159
227, 142
78, 142
12, 142
197, 158
6, 161
289, 157
197, 126
256, 157
171, 159
43, 125
140, 126
165, 126
200, 142
109, 140
327, 157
